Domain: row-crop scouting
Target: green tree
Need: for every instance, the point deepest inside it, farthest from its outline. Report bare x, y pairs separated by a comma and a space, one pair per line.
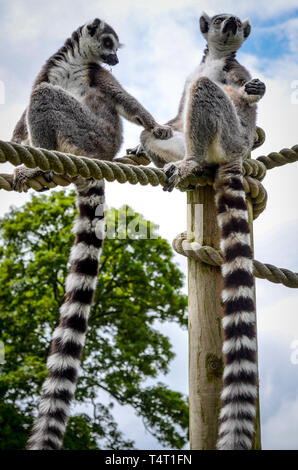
139, 288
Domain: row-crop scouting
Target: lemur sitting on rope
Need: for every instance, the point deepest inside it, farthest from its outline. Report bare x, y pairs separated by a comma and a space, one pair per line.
216, 125
76, 106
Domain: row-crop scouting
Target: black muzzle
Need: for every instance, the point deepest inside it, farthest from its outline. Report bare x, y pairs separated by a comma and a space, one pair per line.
230, 25
110, 59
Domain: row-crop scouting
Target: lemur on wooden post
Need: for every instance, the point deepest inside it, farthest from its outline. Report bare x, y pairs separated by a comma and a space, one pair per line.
76, 106
216, 125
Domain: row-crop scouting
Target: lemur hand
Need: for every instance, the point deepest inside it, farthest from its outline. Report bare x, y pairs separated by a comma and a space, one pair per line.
162, 132
255, 87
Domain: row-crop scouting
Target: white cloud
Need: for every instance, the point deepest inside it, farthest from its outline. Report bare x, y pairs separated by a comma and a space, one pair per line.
280, 431
278, 392
280, 317
30, 20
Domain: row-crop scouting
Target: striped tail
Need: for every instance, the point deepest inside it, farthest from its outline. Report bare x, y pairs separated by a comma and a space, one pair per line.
69, 337
239, 393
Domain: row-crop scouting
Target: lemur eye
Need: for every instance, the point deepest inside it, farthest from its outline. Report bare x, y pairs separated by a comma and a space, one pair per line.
108, 43
239, 23
218, 21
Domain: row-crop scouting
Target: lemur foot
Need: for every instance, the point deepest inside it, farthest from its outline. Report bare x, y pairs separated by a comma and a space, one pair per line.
138, 151
255, 90
175, 172
23, 174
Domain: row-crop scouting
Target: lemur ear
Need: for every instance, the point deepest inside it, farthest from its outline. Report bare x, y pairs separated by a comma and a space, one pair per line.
204, 23
93, 26
246, 28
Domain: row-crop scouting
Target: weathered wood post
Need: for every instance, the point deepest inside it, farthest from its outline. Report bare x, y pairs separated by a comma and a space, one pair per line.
205, 334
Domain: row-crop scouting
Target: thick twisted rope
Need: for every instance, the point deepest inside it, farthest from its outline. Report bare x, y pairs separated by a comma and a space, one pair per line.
134, 160
209, 255
67, 167
72, 166
283, 157
260, 138
38, 183
128, 169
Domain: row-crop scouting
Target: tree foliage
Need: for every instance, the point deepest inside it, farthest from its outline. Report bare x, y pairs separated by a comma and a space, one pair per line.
139, 288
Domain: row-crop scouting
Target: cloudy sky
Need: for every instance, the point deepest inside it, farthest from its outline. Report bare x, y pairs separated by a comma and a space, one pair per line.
163, 45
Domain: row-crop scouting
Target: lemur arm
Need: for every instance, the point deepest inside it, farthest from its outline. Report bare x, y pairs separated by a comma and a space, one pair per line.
132, 110
248, 90
20, 132
243, 88
238, 75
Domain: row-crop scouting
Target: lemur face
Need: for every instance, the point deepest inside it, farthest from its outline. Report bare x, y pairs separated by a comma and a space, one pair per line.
99, 42
224, 32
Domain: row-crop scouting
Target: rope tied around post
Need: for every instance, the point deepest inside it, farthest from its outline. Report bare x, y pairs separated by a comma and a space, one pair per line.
209, 255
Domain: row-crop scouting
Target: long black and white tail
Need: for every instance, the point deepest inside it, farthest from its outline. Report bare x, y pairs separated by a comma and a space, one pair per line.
69, 337
239, 393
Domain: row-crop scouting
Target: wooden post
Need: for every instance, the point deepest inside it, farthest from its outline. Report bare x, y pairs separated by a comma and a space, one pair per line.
204, 325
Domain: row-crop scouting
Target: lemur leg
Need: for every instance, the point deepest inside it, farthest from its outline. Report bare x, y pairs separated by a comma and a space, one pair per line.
210, 121
161, 151
57, 121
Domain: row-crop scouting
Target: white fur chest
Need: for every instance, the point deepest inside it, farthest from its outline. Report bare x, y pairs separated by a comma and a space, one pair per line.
211, 68
71, 77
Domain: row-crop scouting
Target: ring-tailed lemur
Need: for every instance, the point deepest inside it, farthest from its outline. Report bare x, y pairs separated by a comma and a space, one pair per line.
76, 106
216, 124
